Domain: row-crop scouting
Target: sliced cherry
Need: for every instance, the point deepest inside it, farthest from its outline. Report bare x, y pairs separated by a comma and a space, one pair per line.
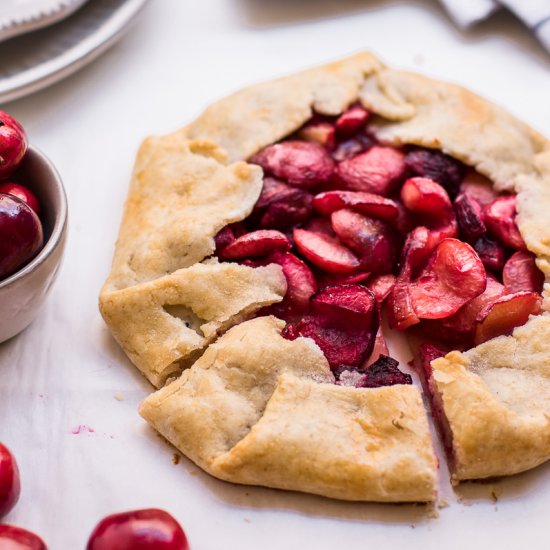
294, 210
365, 203
273, 190
320, 132
500, 218
16, 538
256, 244
10, 485
469, 216
380, 347
381, 286
430, 202
416, 251
298, 162
490, 252
323, 249
328, 279
378, 170
384, 372
460, 328
463, 321
433, 164
352, 120
301, 286
505, 314
521, 273
149, 529
405, 221
373, 240
428, 199
281, 206
223, 239
353, 146
478, 187
343, 322
401, 313
449, 231
338, 298
454, 276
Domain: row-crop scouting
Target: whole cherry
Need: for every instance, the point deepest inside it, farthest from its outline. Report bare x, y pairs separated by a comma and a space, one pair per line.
13, 145
21, 235
10, 486
16, 538
21, 192
149, 529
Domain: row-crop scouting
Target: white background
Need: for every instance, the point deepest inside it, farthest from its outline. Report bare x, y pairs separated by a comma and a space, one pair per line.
65, 370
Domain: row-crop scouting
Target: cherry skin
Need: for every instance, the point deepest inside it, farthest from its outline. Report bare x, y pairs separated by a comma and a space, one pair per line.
10, 486
21, 192
21, 234
13, 145
149, 529
16, 538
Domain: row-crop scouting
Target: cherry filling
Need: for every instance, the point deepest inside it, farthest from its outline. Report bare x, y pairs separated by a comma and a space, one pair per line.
360, 228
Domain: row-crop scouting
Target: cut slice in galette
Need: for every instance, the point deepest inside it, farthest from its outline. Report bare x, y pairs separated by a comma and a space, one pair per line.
266, 248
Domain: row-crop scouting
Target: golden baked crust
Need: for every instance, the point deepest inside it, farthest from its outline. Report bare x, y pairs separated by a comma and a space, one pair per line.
262, 410
496, 399
164, 323
275, 430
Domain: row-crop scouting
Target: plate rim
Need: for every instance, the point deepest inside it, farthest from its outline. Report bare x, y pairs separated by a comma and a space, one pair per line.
39, 19
92, 46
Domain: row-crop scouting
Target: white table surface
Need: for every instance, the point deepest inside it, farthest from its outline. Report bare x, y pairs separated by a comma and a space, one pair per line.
65, 370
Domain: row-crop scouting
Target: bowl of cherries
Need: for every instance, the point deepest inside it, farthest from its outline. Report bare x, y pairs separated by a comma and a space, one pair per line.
33, 225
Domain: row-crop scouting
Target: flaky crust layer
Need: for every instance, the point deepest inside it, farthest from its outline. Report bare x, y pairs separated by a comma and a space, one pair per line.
496, 398
189, 184
262, 410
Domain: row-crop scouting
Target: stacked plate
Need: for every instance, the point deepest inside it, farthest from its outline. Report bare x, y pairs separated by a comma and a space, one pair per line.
42, 41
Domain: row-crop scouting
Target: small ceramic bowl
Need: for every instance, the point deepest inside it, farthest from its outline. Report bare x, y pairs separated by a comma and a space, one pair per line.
23, 293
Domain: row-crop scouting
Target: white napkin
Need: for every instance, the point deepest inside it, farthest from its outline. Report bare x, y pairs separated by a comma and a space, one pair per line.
534, 13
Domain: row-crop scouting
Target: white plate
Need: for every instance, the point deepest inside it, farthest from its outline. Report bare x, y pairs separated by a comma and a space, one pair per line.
36, 60
22, 16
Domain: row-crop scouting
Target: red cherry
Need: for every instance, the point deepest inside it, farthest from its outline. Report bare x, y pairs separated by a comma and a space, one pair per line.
16, 538
343, 322
352, 120
521, 273
149, 529
10, 485
500, 218
319, 132
322, 248
255, 244
453, 277
13, 145
20, 234
300, 163
368, 204
21, 192
378, 170
505, 314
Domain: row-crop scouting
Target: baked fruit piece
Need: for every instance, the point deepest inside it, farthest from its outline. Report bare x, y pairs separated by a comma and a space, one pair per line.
316, 203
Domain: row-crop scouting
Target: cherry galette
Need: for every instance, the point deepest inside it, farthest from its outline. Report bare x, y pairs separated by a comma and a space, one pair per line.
269, 249
340, 212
